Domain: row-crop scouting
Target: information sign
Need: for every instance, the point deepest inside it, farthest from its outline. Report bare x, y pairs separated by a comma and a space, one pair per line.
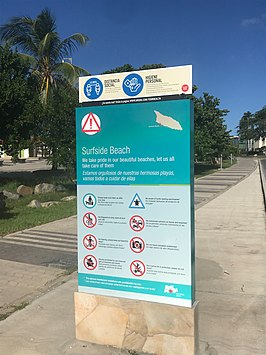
135, 172
144, 83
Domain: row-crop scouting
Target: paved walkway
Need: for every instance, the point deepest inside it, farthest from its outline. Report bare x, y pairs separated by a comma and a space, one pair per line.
231, 271
230, 283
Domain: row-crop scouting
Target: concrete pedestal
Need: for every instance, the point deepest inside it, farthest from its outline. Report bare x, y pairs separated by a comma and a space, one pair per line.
146, 327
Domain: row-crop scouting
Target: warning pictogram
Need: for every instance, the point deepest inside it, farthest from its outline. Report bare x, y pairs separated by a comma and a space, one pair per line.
137, 244
136, 202
137, 268
90, 242
91, 124
89, 200
90, 262
136, 223
89, 220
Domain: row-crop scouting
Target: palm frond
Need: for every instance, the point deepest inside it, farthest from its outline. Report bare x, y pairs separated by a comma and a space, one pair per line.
66, 70
44, 23
18, 32
68, 45
80, 71
28, 59
48, 46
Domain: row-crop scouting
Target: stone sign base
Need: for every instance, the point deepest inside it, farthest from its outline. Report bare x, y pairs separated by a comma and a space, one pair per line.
146, 327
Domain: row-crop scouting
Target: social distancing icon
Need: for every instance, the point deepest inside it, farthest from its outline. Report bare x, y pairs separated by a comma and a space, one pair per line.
90, 262
89, 200
136, 202
89, 220
137, 268
136, 223
91, 124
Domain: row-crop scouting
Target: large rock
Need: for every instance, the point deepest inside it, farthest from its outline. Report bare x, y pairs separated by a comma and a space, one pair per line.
44, 188
34, 204
11, 195
24, 190
49, 204
68, 198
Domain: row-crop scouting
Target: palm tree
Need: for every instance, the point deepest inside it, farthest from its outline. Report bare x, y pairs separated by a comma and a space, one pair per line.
38, 42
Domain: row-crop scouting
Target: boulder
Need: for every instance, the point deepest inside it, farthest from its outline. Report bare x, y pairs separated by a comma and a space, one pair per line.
34, 204
49, 204
11, 195
24, 190
68, 198
44, 188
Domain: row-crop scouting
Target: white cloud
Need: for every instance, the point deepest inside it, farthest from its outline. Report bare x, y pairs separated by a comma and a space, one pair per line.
254, 21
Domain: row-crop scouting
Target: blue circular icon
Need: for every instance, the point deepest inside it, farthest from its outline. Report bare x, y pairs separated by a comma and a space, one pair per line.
132, 84
93, 88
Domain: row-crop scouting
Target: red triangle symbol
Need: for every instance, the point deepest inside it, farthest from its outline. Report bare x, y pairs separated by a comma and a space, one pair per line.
91, 124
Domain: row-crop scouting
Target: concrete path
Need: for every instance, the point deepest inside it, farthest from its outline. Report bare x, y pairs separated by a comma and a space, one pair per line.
231, 271
31, 165
230, 281
208, 187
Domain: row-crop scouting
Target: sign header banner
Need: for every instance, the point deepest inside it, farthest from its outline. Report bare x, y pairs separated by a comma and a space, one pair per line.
143, 83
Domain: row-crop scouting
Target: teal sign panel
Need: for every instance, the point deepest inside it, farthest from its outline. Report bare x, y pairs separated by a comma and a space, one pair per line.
135, 200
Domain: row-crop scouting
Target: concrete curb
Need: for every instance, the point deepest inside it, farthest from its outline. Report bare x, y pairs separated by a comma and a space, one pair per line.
263, 183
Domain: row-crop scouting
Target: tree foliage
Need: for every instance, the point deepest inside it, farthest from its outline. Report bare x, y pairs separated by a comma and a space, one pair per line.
38, 67
16, 93
39, 43
211, 135
252, 125
54, 126
129, 67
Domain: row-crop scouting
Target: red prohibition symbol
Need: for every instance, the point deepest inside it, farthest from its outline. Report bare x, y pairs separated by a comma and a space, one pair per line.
137, 244
136, 223
185, 88
89, 220
90, 262
90, 242
137, 268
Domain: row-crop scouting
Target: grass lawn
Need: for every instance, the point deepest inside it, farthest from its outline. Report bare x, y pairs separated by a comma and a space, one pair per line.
17, 216
202, 169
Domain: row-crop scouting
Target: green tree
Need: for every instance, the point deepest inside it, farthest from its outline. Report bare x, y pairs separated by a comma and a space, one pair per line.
260, 123
54, 126
16, 92
211, 135
123, 68
129, 67
246, 126
39, 42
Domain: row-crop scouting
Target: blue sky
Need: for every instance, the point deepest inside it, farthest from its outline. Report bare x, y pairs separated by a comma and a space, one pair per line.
224, 40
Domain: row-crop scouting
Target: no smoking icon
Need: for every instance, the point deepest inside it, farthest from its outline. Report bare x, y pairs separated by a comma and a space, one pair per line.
89, 220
